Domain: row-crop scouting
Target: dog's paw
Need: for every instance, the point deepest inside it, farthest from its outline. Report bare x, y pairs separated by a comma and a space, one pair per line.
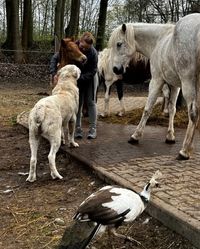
73, 145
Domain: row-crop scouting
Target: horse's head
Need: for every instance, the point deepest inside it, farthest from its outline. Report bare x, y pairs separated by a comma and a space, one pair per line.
122, 44
70, 53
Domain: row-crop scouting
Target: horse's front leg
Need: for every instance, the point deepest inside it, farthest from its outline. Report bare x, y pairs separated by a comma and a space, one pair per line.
120, 93
190, 96
155, 87
170, 138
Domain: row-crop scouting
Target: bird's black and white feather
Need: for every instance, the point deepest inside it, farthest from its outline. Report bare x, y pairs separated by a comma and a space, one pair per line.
110, 206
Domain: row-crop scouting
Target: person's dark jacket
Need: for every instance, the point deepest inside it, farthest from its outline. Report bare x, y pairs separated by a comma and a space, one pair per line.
54, 64
88, 69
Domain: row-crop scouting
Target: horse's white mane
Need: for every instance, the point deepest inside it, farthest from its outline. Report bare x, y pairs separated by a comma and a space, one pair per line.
103, 60
138, 57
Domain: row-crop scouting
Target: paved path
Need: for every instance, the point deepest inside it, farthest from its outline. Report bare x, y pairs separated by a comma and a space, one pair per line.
177, 202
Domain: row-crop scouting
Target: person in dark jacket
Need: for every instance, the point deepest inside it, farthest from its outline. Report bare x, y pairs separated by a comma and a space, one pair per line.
87, 84
54, 63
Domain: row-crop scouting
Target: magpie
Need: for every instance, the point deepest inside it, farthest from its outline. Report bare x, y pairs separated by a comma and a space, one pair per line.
110, 206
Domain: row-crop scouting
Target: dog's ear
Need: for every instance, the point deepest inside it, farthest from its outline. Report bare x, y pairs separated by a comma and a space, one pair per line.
76, 72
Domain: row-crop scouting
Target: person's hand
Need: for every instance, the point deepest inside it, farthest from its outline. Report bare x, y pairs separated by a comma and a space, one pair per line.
53, 81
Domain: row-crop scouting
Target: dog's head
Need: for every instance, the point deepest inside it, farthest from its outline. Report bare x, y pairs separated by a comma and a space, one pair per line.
69, 71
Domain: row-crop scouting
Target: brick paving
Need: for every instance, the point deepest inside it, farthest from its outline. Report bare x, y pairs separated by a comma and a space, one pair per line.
177, 202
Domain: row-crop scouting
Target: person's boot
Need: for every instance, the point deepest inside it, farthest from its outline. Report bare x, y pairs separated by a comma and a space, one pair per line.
78, 133
92, 133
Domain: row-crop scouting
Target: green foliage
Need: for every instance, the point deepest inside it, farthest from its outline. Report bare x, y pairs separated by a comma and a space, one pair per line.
43, 43
13, 120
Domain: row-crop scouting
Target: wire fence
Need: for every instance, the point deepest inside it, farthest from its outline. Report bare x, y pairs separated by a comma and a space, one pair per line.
39, 57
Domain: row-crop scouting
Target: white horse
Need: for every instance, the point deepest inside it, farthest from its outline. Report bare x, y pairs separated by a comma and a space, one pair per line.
105, 70
139, 64
174, 52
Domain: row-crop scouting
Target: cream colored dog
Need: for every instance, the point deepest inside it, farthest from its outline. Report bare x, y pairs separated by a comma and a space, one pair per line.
52, 117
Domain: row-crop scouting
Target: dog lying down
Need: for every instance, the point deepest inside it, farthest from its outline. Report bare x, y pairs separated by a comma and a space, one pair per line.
53, 117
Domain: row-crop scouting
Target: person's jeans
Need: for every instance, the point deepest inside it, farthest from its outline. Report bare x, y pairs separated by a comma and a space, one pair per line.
89, 95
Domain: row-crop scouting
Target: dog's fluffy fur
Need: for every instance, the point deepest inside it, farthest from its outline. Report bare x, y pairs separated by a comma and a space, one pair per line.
52, 117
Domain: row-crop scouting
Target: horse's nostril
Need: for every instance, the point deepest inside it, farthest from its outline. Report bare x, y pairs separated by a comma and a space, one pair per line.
115, 70
118, 70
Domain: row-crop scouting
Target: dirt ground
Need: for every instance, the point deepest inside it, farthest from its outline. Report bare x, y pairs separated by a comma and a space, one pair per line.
34, 215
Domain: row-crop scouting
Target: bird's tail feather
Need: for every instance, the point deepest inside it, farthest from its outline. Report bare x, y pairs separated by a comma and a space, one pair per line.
78, 235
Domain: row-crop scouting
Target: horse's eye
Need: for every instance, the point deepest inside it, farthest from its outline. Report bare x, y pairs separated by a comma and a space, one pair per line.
119, 44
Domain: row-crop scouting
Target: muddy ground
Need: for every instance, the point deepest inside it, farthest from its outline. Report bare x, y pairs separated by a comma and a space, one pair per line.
34, 215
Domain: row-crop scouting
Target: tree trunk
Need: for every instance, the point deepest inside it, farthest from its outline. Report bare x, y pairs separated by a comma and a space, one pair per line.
27, 26
44, 29
59, 18
101, 25
13, 41
73, 26
62, 18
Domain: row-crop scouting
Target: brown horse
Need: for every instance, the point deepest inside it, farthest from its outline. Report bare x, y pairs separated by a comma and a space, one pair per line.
69, 53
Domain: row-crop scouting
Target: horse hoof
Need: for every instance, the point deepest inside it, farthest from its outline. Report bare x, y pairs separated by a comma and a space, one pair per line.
166, 114
119, 115
102, 115
133, 141
167, 141
181, 157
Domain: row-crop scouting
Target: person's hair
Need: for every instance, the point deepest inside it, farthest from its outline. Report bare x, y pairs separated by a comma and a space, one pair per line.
88, 38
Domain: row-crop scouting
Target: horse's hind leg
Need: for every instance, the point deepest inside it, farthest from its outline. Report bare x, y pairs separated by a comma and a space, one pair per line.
155, 87
170, 138
119, 85
190, 96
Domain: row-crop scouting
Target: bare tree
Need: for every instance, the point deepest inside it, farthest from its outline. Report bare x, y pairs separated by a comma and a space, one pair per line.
27, 26
45, 18
73, 26
89, 12
3, 18
13, 41
59, 18
101, 24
